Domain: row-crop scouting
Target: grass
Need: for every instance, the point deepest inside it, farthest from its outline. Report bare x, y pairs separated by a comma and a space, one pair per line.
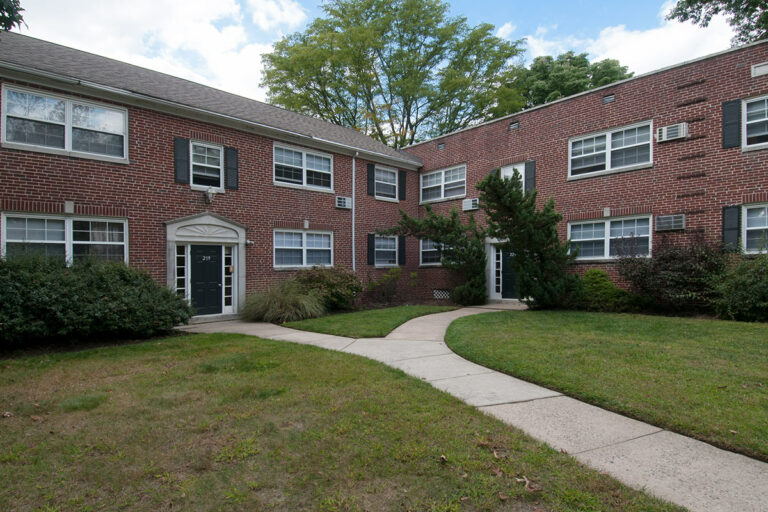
703, 378
374, 323
232, 422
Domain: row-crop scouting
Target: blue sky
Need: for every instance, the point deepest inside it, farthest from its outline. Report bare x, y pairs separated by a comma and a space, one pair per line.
220, 42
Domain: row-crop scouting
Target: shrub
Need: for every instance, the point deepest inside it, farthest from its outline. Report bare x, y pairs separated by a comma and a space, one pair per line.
471, 293
45, 300
677, 278
286, 301
384, 289
742, 291
336, 285
600, 294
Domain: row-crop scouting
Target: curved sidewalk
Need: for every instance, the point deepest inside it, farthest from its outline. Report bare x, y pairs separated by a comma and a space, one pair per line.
671, 466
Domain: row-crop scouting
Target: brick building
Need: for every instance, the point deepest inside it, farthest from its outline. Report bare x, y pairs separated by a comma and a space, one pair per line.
218, 195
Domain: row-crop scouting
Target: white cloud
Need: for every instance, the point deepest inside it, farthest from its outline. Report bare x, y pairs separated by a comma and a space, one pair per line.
669, 43
268, 14
199, 40
506, 30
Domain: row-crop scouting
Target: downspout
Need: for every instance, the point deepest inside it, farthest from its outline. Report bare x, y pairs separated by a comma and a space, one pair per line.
354, 171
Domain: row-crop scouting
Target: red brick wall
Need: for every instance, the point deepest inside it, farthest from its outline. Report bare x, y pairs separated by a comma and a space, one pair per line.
145, 193
695, 176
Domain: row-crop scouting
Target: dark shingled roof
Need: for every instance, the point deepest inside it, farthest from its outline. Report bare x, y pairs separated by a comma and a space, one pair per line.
53, 58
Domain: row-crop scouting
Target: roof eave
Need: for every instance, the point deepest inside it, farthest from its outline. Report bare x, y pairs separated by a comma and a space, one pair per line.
138, 99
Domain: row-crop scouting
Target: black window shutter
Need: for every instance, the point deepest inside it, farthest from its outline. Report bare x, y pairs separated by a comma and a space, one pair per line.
530, 176
732, 124
181, 160
731, 227
230, 168
371, 249
401, 185
401, 250
371, 179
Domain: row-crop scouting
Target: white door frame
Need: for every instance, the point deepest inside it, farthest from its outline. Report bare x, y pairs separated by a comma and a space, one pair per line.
208, 229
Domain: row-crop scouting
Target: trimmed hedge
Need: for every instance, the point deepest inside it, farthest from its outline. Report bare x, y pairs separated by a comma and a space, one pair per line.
600, 294
43, 300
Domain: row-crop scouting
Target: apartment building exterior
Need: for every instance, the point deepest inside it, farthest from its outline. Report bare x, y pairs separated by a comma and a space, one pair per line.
218, 196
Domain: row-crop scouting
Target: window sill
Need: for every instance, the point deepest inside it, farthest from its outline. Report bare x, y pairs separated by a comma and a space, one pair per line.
300, 267
432, 201
64, 152
612, 171
387, 199
756, 147
202, 188
431, 265
303, 187
386, 266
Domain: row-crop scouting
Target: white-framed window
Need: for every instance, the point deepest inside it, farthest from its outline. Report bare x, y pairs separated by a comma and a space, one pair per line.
430, 252
755, 228
206, 165
72, 238
385, 251
51, 123
508, 171
301, 168
755, 123
296, 248
621, 149
611, 238
444, 184
385, 184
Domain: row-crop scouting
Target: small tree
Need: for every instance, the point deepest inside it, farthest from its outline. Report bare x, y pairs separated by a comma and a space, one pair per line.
462, 249
540, 259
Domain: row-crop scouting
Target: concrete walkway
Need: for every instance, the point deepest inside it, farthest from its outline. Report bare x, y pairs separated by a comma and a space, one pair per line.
674, 467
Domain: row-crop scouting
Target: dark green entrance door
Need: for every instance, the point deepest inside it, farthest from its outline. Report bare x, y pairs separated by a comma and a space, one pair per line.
206, 279
509, 289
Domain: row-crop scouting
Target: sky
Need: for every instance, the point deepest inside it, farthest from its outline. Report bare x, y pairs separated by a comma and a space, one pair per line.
220, 42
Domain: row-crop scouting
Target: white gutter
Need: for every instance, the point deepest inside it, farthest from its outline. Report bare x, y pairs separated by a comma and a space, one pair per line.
180, 106
354, 171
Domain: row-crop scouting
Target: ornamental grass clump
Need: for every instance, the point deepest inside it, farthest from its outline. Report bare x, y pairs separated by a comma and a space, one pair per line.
286, 301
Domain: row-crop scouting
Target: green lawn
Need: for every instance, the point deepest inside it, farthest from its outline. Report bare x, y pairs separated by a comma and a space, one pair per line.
374, 323
703, 378
232, 422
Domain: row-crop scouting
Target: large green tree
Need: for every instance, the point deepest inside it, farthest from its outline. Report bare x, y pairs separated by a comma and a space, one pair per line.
749, 18
549, 78
397, 70
10, 14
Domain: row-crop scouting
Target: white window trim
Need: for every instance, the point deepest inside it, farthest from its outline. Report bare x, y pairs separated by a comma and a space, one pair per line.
304, 152
304, 233
442, 185
421, 257
607, 236
395, 199
744, 146
744, 229
68, 231
220, 188
67, 150
519, 166
397, 252
608, 169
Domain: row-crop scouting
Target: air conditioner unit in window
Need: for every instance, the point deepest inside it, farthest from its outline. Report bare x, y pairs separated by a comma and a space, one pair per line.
672, 132
344, 202
670, 222
470, 204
